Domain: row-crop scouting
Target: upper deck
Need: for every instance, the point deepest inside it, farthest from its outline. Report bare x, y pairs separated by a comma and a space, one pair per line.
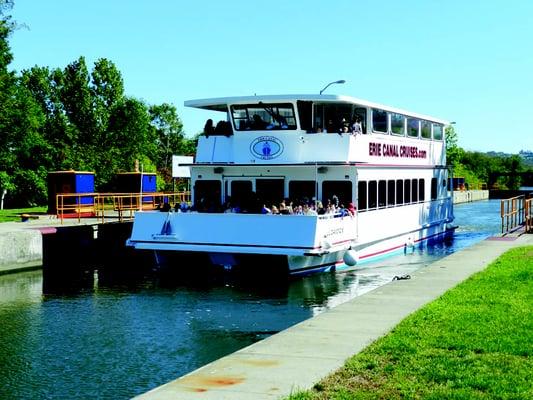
301, 129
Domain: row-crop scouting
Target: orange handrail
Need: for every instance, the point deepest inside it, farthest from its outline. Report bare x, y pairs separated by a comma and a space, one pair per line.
116, 205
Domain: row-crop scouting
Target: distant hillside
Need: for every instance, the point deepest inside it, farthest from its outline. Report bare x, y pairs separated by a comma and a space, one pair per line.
526, 155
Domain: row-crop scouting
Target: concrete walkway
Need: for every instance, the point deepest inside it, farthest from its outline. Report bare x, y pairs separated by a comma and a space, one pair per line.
300, 356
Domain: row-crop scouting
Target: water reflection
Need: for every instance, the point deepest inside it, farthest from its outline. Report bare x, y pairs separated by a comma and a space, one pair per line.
111, 334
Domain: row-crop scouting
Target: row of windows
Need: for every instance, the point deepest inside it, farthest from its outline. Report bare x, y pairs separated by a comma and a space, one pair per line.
398, 124
371, 194
390, 193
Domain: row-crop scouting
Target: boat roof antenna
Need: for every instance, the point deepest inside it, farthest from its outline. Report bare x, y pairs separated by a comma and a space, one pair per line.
341, 81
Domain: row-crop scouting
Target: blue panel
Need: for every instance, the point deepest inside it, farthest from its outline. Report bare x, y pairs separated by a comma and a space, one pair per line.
149, 183
84, 183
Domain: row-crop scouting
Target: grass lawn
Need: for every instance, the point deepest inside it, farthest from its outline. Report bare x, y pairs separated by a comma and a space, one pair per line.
14, 214
474, 342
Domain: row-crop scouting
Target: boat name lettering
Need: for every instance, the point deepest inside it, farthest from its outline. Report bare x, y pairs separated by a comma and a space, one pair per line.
334, 231
266, 147
394, 150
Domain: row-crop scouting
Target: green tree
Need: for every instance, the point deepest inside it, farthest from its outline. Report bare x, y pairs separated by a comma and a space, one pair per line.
453, 151
169, 133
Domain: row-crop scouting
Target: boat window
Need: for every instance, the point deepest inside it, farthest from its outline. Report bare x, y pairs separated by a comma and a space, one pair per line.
433, 188
379, 120
397, 124
341, 189
391, 193
414, 190
207, 195
270, 191
426, 129
382, 194
399, 192
305, 114
413, 127
361, 195
240, 191
372, 194
263, 116
302, 190
407, 191
421, 190
437, 131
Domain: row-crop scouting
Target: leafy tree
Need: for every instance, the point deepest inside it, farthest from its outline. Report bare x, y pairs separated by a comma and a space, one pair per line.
453, 151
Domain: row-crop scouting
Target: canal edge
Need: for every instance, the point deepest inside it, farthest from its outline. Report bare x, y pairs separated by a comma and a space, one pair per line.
298, 357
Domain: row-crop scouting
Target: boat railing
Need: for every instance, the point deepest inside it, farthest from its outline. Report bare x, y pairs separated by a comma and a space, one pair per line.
114, 206
513, 213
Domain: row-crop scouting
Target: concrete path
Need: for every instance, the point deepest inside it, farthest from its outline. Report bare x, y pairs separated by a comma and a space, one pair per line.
300, 356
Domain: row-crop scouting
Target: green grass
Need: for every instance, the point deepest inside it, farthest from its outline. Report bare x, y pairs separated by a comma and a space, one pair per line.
14, 214
474, 342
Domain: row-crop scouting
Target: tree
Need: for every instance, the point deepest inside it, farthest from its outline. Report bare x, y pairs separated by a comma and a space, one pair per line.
169, 133
453, 151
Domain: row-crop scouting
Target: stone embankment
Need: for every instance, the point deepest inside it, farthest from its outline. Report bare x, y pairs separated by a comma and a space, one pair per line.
467, 196
20, 249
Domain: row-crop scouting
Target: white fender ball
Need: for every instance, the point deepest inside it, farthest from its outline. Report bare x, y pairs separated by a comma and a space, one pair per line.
350, 258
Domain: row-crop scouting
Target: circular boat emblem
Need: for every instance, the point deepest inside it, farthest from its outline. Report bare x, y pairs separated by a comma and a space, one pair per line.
266, 147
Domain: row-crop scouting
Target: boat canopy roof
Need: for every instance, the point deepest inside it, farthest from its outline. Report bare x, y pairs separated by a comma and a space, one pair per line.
222, 103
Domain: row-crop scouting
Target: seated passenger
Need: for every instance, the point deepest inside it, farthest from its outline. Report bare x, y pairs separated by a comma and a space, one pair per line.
209, 129
356, 127
258, 122
308, 210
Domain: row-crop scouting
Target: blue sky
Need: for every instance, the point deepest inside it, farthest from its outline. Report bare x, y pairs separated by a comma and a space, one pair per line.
465, 61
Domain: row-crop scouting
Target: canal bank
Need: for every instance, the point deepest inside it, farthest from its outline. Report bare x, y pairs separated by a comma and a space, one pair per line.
467, 196
300, 356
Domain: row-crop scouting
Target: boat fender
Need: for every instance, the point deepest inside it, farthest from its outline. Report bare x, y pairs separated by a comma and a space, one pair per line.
350, 258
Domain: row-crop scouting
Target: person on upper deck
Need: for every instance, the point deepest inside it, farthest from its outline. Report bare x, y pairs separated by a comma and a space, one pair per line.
209, 129
356, 127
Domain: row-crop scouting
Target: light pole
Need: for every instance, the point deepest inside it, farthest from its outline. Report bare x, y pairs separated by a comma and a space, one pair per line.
333, 83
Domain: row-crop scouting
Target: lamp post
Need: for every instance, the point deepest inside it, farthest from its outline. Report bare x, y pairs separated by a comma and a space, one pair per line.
333, 83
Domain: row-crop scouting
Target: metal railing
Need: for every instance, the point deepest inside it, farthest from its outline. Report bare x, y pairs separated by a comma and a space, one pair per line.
512, 212
115, 206
528, 215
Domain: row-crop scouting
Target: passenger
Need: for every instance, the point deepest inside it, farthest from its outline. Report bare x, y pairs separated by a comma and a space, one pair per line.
209, 129
308, 210
345, 129
299, 210
221, 128
356, 127
275, 210
335, 201
166, 207
319, 130
320, 210
351, 209
266, 210
258, 122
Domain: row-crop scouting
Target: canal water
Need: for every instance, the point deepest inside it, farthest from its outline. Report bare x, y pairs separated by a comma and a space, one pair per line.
126, 336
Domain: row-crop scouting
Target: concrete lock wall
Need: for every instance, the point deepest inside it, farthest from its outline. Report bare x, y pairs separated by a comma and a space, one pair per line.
20, 250
467, 196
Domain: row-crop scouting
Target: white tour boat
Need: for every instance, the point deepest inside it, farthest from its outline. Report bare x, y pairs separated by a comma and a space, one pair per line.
384, 168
